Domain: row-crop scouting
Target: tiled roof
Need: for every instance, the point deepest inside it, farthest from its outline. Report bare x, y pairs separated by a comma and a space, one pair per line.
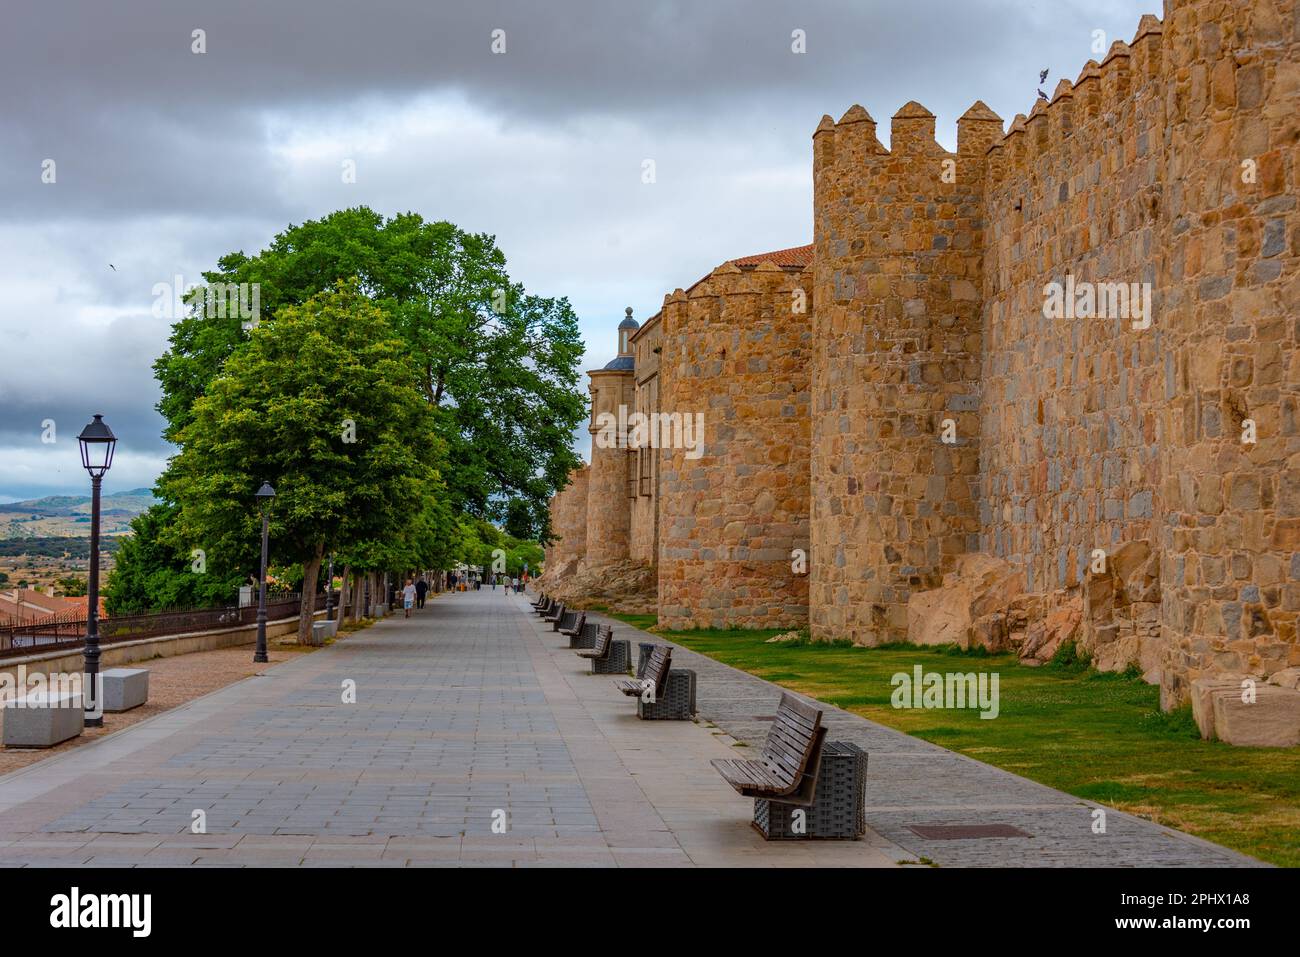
29, 605
794, 256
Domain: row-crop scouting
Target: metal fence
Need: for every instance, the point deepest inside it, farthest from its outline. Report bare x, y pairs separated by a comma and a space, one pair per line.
70, 632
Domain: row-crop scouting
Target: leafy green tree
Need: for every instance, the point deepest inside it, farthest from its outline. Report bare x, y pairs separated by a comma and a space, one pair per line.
499, 366
150, 574
520, 521
322, 403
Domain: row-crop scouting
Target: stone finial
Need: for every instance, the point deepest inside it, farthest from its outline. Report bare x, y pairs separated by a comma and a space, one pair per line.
827, 125
979, 110
1117, 49
1149, 24
767, 266
912, 110
726, 269
1063, 88
912, 129
855, 114
1146, 46
1091, 71
977, 128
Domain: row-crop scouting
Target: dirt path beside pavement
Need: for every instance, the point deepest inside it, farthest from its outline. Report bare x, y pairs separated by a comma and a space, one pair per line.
172, 681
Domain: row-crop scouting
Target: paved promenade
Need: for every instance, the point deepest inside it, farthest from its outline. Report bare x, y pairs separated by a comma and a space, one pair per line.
470, 715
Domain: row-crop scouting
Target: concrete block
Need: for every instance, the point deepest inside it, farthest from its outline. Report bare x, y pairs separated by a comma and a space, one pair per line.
319, 632
42, 719
125, 688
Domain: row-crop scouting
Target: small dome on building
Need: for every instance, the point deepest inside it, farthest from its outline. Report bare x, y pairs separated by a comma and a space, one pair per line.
626, 329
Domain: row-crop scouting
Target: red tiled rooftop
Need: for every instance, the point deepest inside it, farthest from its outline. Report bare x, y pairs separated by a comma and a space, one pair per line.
794, 256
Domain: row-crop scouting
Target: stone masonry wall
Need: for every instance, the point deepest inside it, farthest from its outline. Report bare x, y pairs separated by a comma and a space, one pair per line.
645, 462
898, 239
609, 517
928, 408
1230, 270
569, 522
737, 349
1070, 407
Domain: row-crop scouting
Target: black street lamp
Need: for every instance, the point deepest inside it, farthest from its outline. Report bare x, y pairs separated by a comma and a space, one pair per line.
329, 591
263, 496
97, 442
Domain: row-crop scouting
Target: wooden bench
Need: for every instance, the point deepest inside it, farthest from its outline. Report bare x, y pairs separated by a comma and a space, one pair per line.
607, 656
574, 629
555, 614
656, 675
791, 757
567, 620
586, 636
545, 607
663, 693
541, 600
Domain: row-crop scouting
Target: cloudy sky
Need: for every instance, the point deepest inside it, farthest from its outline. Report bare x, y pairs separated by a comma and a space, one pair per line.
165, 159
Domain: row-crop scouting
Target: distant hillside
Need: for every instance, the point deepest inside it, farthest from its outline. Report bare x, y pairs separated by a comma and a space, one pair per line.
56, 516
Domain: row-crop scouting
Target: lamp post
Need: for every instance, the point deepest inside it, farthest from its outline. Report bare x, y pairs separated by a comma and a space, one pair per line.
97, 442
264, 496
329, 591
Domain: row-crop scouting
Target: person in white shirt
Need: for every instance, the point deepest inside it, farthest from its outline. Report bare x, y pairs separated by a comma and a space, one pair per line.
408, 596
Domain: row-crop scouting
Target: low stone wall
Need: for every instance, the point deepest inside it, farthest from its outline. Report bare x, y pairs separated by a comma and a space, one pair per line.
71, 661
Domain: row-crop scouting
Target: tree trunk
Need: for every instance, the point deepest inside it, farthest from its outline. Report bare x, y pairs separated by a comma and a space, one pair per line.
344, 591
310, 576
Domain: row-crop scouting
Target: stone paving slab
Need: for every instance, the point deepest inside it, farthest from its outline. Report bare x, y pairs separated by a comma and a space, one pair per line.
913, 782
473, 706
464, 710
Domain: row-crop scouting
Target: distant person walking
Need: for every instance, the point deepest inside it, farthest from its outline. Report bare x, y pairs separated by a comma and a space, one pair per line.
421, 589
408, 596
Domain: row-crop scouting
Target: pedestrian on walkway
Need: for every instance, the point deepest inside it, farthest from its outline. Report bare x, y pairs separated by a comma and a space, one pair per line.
514, 584
408, 596
421, 589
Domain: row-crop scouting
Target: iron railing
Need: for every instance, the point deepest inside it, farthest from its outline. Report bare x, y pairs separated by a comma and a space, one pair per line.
70, 631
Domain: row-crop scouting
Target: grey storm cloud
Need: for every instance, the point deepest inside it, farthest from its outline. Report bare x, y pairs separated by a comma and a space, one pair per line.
167, 159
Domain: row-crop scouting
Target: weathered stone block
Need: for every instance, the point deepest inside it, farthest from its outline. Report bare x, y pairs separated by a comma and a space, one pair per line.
42, 719
1271, 720
125, 688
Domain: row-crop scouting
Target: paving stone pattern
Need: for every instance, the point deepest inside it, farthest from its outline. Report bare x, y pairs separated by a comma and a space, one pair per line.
470, 708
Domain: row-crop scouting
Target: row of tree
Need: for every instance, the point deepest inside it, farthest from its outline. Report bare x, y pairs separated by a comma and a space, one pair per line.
397, 389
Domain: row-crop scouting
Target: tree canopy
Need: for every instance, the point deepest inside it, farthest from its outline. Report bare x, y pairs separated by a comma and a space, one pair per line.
459, 388
500, 367
322, 404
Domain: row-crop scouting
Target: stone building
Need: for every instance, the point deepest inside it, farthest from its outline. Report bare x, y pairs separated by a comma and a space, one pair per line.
1049, 390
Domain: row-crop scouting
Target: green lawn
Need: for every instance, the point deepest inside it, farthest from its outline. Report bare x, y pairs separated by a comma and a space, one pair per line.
1097, 736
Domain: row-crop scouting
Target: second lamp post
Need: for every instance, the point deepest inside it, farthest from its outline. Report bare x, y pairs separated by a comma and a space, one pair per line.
264, 496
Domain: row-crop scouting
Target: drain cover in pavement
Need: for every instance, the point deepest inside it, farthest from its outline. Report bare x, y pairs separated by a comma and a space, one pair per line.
957, 832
